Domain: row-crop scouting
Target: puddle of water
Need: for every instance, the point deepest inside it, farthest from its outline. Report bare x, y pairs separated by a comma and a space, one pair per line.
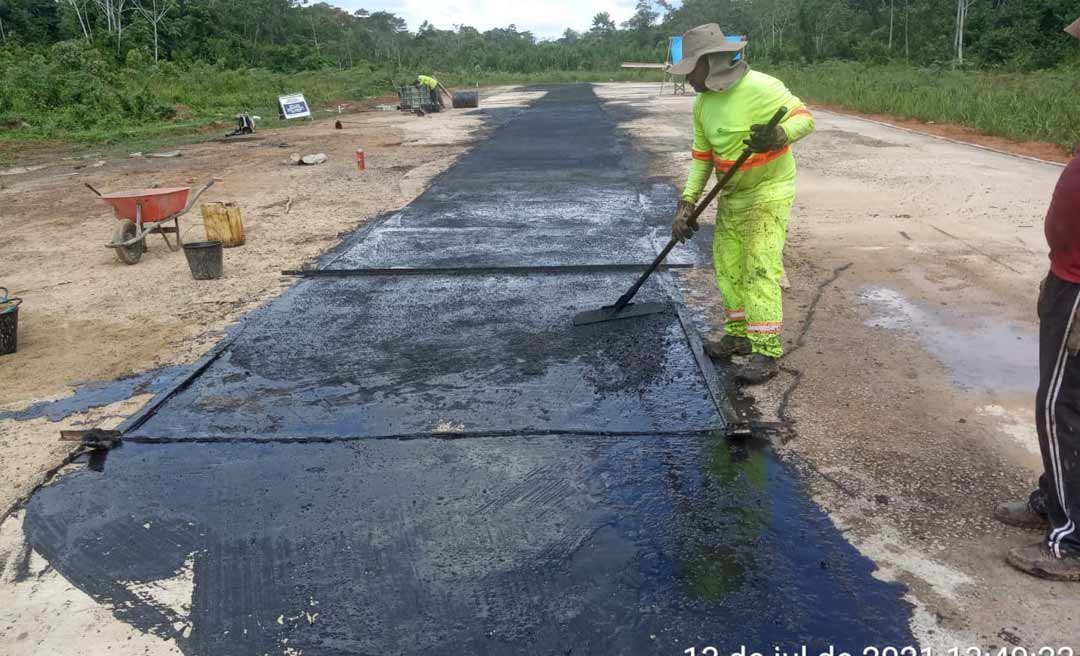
982, 353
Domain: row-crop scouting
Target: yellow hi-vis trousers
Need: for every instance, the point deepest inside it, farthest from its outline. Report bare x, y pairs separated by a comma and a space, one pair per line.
748, 254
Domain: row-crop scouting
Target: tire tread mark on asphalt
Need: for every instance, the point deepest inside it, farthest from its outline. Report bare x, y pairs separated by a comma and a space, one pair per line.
541, 488
561, 551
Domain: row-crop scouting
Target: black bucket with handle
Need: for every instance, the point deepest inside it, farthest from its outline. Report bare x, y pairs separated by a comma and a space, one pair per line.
9, 322
205, 259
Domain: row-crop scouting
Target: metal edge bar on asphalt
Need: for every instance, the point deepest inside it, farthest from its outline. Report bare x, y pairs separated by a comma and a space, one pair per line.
481, 270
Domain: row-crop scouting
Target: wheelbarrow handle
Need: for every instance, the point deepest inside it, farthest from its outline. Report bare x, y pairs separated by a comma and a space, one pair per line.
195, 198
92, 189
187, 231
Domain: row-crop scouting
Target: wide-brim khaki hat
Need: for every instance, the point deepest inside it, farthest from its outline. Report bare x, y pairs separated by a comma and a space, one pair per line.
700, 41
1074, 28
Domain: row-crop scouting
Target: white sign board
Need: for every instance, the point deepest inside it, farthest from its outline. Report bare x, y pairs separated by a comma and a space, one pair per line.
294, 106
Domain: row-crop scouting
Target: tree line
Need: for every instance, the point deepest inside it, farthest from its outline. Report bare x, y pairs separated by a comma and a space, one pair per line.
288, 35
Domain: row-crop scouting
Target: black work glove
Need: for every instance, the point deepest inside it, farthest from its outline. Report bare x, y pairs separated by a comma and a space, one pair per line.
764, 139
683, 227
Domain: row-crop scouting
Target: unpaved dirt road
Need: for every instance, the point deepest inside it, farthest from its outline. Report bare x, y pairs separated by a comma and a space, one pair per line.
913, 266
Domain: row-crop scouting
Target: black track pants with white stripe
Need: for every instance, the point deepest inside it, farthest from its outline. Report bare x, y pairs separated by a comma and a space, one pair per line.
1057, 412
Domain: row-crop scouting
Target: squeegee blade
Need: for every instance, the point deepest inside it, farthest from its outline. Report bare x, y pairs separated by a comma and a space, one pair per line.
628, 312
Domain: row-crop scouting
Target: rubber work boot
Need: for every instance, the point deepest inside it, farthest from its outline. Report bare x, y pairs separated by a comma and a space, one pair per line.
1021, 515
726, 346
1037, 560
758, 369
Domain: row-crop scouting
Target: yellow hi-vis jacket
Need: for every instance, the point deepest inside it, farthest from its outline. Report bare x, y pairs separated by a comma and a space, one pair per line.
722, 121
428, 82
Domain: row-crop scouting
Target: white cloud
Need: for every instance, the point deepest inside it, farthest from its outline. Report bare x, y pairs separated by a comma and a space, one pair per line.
545, 18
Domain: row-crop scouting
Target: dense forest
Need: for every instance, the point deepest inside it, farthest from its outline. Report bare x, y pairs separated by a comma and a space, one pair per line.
287, 35
77, 65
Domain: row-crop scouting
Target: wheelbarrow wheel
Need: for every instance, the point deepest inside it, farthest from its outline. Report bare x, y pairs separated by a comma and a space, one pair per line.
124, 231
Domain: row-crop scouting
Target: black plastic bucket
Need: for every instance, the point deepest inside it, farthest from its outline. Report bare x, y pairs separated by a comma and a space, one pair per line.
9, 326
465, 99
205, 259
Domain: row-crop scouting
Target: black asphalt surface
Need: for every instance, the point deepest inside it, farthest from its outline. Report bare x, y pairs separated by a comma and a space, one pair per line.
393, 356
444, 464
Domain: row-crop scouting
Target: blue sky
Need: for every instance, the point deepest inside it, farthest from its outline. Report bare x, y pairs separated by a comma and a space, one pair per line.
545, 18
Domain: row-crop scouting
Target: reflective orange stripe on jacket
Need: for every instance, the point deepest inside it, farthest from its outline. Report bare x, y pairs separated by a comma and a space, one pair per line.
755, 160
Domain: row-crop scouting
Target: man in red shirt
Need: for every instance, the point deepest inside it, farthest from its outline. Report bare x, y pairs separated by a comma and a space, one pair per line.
1055, 505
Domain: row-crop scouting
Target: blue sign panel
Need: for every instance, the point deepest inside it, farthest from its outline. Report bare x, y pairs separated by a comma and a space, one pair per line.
676, 49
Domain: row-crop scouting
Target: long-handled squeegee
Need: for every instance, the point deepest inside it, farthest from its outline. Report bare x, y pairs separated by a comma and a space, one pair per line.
623, 308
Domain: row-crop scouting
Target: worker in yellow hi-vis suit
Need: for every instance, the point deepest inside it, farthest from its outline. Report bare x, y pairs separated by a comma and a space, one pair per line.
730, 113
433, 84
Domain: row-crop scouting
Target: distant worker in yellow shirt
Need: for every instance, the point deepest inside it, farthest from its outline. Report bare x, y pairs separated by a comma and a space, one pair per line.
433, 84
730, 113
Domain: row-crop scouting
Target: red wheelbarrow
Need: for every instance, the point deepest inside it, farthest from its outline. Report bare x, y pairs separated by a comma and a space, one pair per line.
142, 212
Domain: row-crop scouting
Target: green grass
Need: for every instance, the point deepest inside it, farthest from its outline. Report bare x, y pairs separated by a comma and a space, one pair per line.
98, 109
158, 107
1037, 106
179, 103
73, 98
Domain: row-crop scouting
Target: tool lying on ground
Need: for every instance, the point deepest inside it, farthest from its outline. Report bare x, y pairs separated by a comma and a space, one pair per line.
623, 308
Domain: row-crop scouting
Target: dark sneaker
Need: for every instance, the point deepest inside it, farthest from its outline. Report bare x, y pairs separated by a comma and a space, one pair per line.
1037, 560
726, 346
1021, 515
758, 369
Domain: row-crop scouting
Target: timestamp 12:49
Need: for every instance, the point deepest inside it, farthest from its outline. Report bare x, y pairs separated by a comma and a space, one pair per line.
885, 651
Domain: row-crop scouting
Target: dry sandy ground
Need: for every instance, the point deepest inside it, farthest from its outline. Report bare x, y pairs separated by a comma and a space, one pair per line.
87, 317
914, 265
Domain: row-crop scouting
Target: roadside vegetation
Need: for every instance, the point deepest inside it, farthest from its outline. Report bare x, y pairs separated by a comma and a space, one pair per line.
94, 71
72, 92
1031, 106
